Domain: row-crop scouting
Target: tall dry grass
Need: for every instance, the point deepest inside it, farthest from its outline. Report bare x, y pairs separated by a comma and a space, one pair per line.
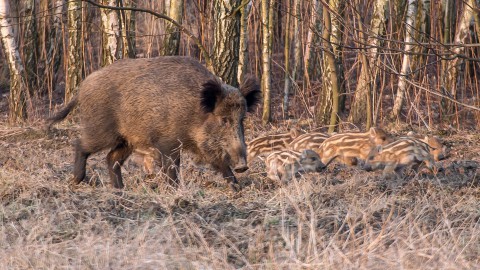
342, 219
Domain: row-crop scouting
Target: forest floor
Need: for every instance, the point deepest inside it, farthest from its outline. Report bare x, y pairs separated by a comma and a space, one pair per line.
344, 218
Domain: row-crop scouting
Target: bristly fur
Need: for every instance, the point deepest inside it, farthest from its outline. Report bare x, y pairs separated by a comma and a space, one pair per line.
211, 93
251, 91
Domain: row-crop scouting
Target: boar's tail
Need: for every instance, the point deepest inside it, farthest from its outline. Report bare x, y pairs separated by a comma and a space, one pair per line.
60, 115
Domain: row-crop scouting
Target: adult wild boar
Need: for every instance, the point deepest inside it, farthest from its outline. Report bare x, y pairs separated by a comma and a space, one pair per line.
166, 104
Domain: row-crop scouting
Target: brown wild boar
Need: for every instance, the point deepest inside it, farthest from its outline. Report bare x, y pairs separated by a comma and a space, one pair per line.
283, 165
350, 147
264, 145
438, 149
166, 104
403, 152
312, 140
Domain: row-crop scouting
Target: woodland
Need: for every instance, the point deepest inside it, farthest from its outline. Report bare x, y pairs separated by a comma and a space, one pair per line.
323, 65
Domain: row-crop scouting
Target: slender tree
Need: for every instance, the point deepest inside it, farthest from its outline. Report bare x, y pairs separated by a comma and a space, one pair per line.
29, 43
17, 108
402, 82
452, 67
74, 48
243, 50
327, 108
368, 74
310, 36
286, 89
128, 26
267, 26
55, 41
336, 40
297, 42
171, 43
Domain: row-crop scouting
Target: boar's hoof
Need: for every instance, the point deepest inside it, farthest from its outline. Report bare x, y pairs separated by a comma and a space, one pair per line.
75, 181
235, 186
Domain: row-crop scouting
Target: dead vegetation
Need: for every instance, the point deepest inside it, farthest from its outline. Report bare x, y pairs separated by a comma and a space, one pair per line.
343, 218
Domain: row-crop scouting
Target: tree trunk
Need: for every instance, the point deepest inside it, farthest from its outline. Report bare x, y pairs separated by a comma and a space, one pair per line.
74, 60
402, 83
368, 74
297, 42
286, 89
243, 50
55, 39
29, 43
266, 58
112, 40
336, 40
308, 45
327, 108
128, 26
171, 42
226, 40
17, 108
452, 67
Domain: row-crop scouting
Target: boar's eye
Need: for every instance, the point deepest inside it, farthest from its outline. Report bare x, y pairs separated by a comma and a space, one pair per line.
225, 121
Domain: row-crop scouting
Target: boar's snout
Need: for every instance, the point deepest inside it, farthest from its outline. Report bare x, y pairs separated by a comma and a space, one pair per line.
241, 166
367, 166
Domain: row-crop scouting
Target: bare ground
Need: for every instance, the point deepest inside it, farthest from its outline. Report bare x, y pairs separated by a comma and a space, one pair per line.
344, 218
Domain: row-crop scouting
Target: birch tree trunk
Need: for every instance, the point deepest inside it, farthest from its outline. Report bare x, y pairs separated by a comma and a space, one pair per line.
308, 45
452, 67
266, 58
74, 49
226, 40
112, 40
327, 108
16, 102
286, 89
171, 43
297, 42
402, 83
368, 74
243, 50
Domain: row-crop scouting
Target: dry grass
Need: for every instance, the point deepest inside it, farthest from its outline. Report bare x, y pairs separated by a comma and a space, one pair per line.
342, 219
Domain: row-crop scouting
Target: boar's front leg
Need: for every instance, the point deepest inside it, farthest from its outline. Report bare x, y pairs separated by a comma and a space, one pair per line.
170, 164
115, 159
170, 168
229, 176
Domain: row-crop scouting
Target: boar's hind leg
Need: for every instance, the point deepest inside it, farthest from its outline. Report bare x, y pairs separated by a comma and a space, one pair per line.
115, 160
80, 162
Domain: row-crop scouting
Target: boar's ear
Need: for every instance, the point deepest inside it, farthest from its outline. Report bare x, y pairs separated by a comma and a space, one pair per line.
211, 94
251, 91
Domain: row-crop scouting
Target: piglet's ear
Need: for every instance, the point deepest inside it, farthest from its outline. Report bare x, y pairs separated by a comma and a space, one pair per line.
251, 91
373, 131
211, 95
